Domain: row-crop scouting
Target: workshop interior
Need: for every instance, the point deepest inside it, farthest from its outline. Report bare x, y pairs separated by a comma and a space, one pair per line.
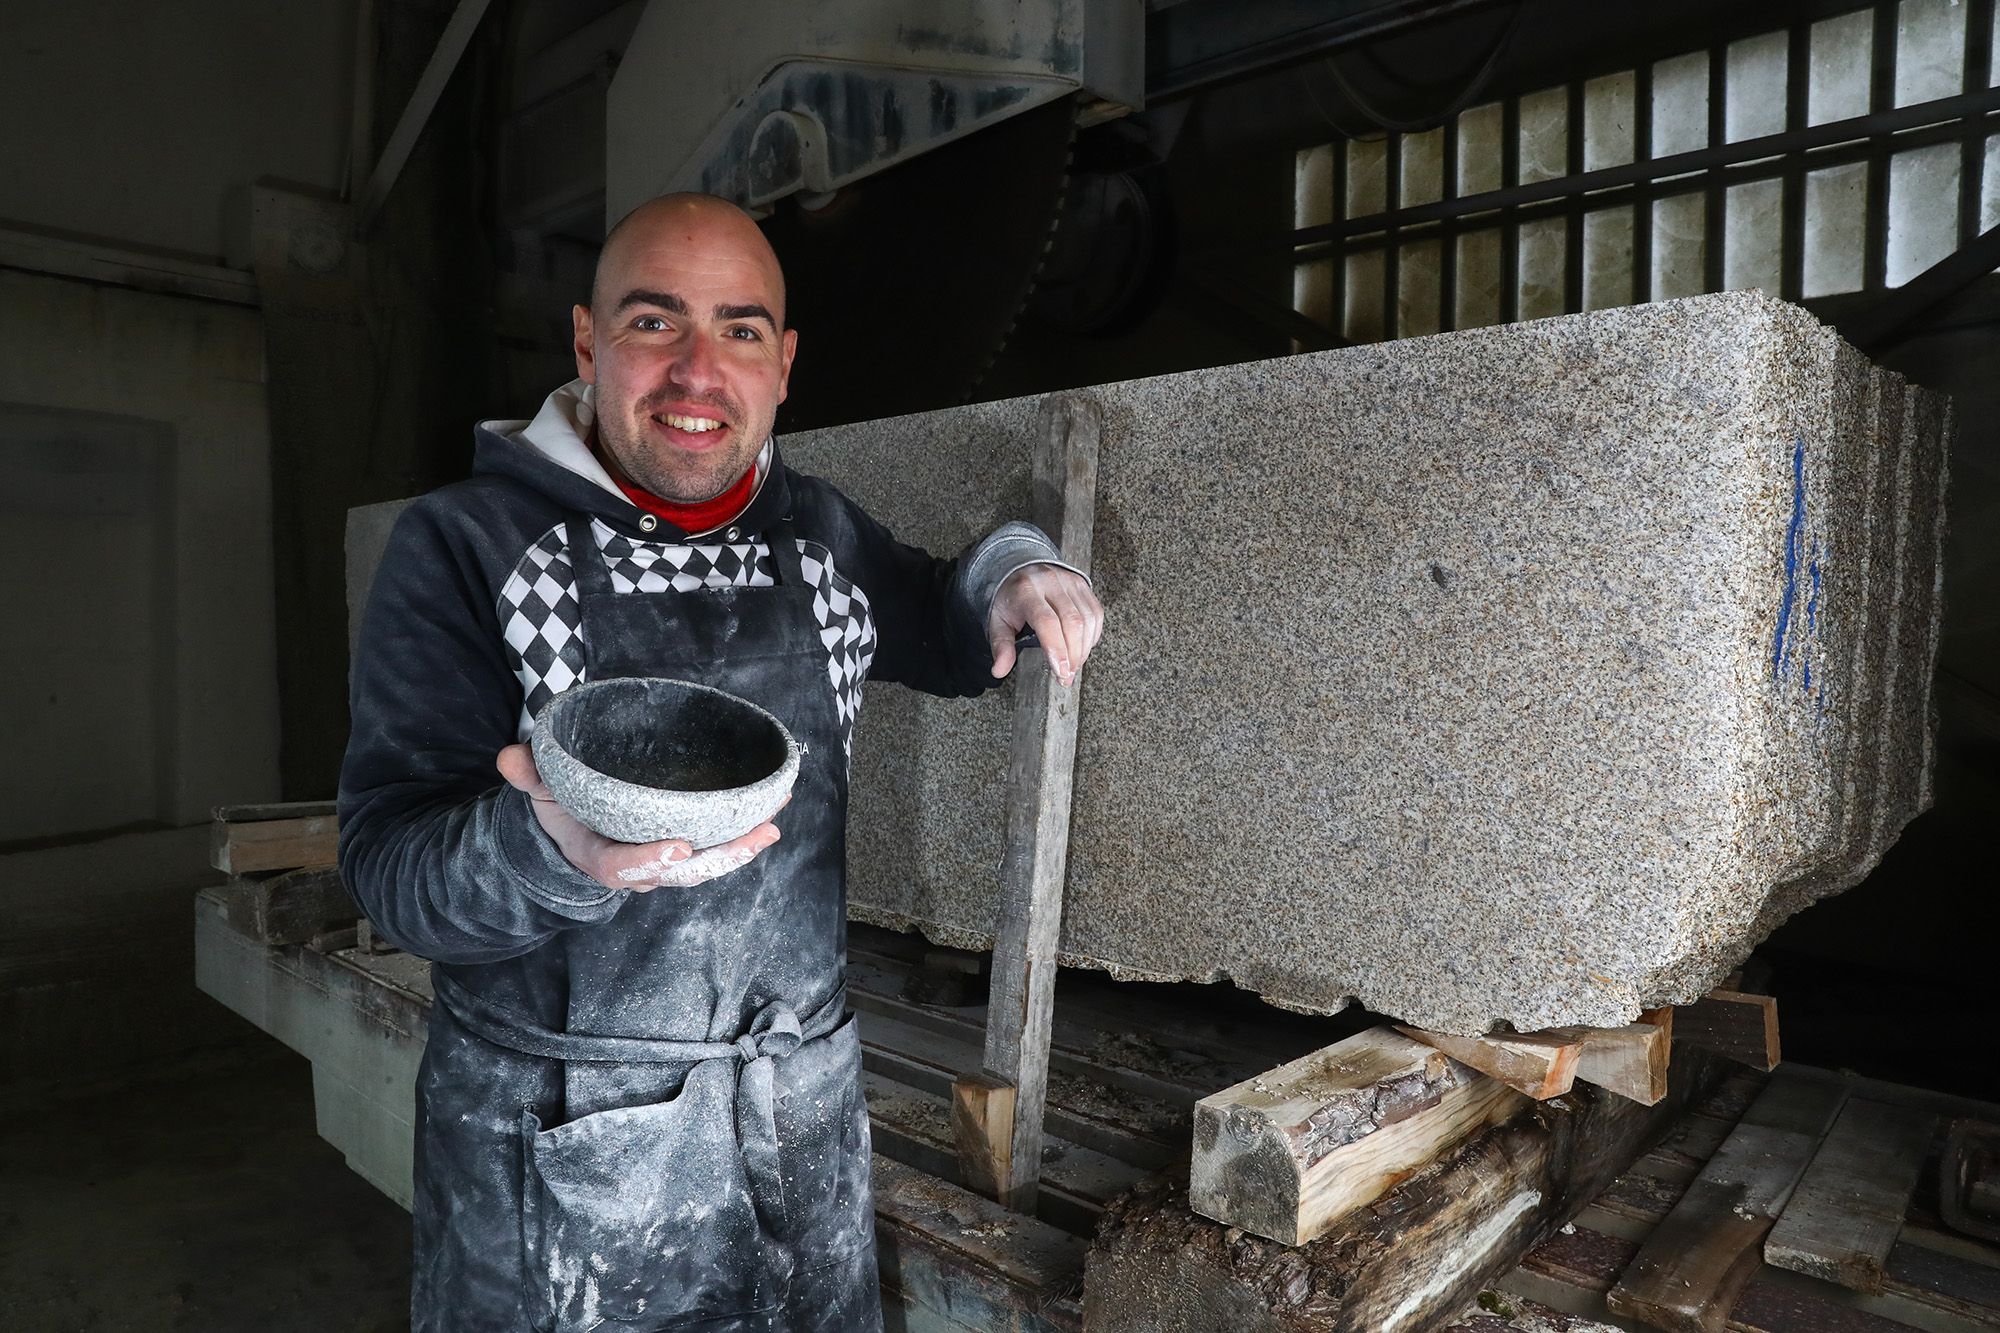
1522, 854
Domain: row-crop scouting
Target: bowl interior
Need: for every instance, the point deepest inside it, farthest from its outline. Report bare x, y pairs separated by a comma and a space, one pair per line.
667, 734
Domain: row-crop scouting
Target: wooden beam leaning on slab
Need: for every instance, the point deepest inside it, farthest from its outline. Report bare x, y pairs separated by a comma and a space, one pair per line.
997, 1113
1288, 1153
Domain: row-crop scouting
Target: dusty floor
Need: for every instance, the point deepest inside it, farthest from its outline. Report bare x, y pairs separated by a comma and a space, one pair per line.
200, 1199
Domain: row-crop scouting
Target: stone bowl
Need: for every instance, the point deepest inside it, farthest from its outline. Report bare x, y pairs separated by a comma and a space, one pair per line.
639, 760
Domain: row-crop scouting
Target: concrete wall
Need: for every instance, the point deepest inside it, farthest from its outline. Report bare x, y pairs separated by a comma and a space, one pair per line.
136, 513
135, 498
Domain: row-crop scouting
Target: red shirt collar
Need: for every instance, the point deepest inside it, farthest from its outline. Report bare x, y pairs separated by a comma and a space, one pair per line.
702, 516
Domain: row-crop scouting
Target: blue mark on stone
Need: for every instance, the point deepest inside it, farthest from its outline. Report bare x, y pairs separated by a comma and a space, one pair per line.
1812, 600
1793, 539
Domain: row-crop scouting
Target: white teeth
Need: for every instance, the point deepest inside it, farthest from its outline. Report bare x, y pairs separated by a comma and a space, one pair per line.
689, 423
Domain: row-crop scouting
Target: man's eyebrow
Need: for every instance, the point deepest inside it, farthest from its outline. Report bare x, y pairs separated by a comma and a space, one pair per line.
751, 311
641, 296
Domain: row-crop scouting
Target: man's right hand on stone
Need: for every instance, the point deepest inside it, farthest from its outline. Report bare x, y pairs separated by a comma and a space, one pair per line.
620, 865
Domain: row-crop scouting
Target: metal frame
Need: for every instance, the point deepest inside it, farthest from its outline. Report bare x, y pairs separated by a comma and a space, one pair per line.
1788, 156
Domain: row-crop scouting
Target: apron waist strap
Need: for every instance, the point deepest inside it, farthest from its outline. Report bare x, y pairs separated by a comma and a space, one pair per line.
776, 1031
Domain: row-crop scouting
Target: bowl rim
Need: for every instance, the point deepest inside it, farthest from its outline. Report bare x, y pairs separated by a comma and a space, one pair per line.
786, 770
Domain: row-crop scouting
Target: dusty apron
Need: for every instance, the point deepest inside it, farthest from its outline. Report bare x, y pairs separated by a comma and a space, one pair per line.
691, 1149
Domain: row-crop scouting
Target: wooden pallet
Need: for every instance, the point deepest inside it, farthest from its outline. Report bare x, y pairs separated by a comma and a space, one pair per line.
1654, 1238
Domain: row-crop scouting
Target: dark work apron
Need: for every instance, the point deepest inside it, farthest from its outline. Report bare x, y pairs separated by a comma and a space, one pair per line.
692, 1149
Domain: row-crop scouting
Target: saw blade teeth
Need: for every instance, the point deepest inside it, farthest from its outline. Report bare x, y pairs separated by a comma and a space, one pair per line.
1041, 260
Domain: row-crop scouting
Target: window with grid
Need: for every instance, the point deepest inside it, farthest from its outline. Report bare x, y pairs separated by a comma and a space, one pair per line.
1844, 155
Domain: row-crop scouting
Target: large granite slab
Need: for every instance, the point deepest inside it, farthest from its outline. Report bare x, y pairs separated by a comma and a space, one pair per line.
1528, 674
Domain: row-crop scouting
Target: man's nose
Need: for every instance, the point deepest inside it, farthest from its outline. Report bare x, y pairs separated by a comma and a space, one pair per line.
696, 366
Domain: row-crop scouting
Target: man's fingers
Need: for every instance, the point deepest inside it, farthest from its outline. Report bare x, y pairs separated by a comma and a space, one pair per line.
1076, 630
644, 866
1064, 628
678, 868
517, 765
1003, 655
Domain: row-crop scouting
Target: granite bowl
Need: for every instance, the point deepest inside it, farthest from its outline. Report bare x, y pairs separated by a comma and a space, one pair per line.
640, 759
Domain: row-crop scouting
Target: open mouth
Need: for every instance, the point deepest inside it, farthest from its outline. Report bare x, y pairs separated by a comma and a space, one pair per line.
689, 431
694, 425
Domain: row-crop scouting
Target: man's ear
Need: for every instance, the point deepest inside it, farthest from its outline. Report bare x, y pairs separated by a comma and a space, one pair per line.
791, 346
584, 342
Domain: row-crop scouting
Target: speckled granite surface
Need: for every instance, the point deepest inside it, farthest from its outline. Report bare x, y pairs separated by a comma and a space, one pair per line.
1527, 674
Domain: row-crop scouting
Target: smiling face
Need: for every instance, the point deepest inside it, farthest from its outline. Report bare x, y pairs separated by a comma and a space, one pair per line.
684, 338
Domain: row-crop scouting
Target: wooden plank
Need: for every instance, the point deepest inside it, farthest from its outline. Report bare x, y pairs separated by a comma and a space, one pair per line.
1848, 1209
290, 908
1571, 1272
1741, 1027
1936, 1283
1691, 1269
968, 1261
246, 848
1287, 1154
1631, 1060
1538, 1064
1036, 850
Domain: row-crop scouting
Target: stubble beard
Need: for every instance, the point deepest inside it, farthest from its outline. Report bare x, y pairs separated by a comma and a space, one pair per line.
691, 483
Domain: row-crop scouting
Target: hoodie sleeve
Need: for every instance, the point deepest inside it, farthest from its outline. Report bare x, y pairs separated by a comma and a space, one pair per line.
448, 861
930, 614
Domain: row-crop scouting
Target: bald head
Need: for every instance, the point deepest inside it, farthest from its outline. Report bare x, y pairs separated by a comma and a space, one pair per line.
692, 225
684, 341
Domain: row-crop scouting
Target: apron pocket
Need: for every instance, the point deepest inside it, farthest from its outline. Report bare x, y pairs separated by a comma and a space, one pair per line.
823, 1124
643, 1215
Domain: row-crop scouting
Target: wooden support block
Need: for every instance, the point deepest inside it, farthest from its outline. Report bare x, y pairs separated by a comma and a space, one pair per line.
1848, 1209
1740, 1027
248, 839
1289, 1153
982, 1125
1408, 1263
1040, 773
1631, 1060
291, 908
1539, 1064
1689, 1272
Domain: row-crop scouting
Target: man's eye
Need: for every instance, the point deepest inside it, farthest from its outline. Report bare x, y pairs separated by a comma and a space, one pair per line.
649, 323
746, 333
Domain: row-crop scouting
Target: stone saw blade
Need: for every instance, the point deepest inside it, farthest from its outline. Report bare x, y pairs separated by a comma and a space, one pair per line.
904, 286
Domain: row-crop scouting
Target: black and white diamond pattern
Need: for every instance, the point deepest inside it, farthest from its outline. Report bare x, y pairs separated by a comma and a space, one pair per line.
660, 567
540, 621
846, 628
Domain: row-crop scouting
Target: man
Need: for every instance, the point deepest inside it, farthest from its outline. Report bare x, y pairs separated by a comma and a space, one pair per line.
639, 1106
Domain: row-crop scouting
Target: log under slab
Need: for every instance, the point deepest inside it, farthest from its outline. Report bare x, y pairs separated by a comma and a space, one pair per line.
1527, 674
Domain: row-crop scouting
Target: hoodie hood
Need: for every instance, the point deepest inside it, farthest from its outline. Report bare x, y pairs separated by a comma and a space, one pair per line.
552, 454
